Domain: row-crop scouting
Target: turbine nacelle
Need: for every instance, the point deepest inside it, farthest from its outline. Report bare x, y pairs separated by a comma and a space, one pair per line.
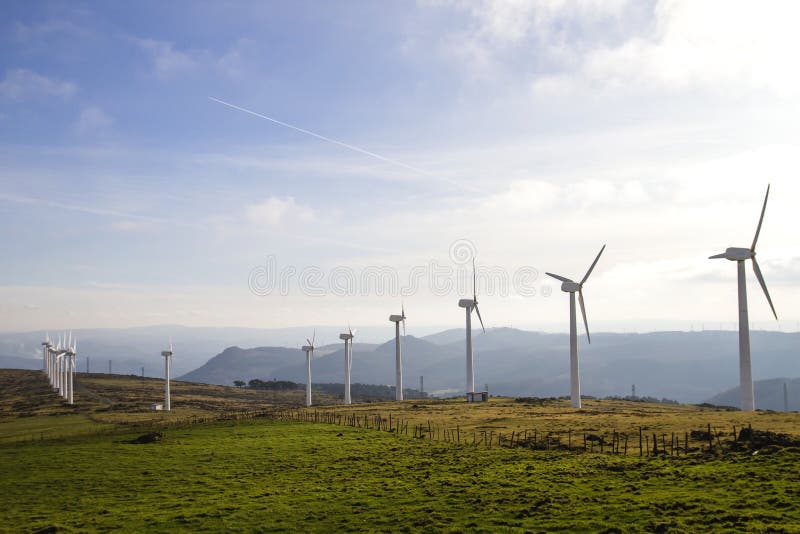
570, 287
467, 303
307, 348
346, 336
736, 254
167, 353
396, 318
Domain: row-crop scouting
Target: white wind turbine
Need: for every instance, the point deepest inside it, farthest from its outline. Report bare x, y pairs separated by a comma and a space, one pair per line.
348, 361
397, 319
469, 305
46, 345
54, 363
67, 349
309, 350
167, 354
568, 286
70, 353
58, 379
740, 255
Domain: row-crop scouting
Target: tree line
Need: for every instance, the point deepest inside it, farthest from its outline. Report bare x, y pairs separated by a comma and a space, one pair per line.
362, 391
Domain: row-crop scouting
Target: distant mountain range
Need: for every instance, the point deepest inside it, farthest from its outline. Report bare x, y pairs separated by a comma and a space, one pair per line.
685, 366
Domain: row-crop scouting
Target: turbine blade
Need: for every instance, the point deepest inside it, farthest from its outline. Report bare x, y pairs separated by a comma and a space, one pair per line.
479, 317
583, 312
404, 326
760, 220
308, 341
763, 286
314, 337
593, 264
716, 256
557, 277
474, 282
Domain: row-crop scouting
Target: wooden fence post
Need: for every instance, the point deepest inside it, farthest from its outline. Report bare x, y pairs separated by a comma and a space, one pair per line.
640, 441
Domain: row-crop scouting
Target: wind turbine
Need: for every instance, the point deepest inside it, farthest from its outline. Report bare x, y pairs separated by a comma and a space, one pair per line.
46, 345
469, 305
58, 368
348, 361
70, 353
54, 363
309, 350
167, 354
740, 255
397, 319
568, 286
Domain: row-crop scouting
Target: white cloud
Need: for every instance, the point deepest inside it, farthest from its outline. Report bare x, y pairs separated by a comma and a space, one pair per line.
166, 59
133, 226
724, 45
527, 196
21, 84
275, 211
91, 119
235, 63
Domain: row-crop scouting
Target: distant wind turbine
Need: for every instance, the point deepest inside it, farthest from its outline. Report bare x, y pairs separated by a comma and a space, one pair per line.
309, 350
348, 361
398, 362
469, 305
47, 346
740, 255
568, 286
70, 354
167, 354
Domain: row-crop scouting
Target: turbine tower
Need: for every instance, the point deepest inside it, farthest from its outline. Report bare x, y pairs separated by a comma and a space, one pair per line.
398, 363
60, 382
348, 361
740, 255
54, 363
309, 350
568, 286
46, 345
469, 305
70, 362
167, 354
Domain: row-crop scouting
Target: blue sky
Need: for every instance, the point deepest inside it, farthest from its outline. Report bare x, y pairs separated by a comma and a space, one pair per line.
536, 130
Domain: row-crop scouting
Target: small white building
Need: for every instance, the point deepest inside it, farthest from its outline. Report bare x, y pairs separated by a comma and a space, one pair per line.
477, 396
156, 407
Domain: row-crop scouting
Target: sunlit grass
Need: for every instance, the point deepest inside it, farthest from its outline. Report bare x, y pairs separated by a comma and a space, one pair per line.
76, 468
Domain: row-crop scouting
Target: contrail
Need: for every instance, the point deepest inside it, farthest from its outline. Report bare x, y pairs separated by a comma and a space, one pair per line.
340, 143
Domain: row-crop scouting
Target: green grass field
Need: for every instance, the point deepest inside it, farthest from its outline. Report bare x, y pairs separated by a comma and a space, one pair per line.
275, 475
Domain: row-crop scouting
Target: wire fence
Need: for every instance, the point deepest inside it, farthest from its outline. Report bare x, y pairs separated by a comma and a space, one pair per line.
641, 443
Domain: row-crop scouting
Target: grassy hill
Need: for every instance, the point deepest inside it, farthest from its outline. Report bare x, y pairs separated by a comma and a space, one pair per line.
29, 409
274, 474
